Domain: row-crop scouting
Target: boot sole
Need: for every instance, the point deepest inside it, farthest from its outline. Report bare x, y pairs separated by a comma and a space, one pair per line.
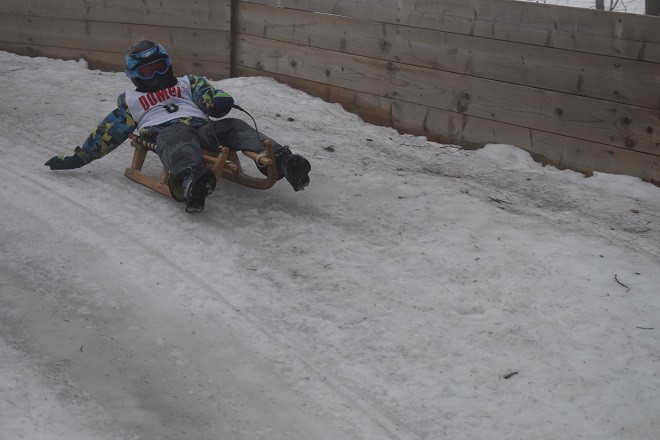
297, 172
202, 187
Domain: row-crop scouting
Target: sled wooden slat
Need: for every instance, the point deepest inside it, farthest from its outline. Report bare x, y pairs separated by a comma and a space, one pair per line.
150, 182
224, 164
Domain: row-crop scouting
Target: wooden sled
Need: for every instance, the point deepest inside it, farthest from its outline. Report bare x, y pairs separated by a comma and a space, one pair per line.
224, 164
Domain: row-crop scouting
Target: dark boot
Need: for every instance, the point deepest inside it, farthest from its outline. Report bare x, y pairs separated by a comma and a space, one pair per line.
196, 187
294, 167
296, 171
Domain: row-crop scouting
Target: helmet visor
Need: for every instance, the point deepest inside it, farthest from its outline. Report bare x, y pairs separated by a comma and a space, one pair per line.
151, 69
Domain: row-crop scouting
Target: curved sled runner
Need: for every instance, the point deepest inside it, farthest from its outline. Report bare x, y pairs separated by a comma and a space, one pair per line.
224, 164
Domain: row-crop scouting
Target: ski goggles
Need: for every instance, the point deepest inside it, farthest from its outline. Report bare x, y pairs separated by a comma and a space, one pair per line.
150, 69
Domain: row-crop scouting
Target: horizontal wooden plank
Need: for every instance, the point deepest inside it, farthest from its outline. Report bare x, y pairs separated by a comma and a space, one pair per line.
614, 79
584, 155
473, 132
369, 107
114, 62
183, 43
585, 118
600, 32
193, 14
549, 148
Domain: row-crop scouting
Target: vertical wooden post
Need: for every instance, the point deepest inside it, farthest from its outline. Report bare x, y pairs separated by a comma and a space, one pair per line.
233, 35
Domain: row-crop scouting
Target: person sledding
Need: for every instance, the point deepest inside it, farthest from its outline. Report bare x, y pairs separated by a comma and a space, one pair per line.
175, 114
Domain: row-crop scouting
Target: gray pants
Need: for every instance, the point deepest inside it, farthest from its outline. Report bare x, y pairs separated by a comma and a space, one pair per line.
179, 146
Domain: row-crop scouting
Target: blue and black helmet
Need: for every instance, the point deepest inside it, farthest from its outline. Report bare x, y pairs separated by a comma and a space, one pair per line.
149, 66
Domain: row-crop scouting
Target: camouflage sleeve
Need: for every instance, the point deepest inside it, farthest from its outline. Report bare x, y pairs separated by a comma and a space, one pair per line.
109, 134
214, 102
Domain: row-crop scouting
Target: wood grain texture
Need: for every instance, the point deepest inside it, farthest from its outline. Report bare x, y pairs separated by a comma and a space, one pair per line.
201, 44
114, 62
597, 76
585, 118
193, 14
582, 30
474, 132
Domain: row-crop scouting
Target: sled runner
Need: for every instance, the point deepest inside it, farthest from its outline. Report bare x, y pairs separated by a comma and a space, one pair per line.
224, 164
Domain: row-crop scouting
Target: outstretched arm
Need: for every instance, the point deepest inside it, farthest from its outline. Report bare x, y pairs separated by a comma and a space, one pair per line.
108, 135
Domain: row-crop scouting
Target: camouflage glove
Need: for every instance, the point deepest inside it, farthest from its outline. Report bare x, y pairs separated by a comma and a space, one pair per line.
63, 162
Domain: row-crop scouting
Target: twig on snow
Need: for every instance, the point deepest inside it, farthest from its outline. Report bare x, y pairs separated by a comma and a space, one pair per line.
507, 201
510, 375
620, 283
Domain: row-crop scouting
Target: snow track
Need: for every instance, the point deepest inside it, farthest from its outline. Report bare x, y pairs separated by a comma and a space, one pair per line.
216, 349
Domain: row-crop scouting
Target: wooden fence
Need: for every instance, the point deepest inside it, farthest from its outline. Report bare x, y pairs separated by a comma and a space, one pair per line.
196, 33
577, 88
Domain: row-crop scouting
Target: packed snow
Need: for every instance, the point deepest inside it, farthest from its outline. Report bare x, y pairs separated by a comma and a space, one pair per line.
630, 6
414, 291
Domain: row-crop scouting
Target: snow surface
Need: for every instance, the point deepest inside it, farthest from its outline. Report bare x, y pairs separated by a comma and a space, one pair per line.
630, 6
413, 291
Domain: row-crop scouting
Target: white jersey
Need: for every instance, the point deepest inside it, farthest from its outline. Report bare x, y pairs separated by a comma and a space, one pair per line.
155, 108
